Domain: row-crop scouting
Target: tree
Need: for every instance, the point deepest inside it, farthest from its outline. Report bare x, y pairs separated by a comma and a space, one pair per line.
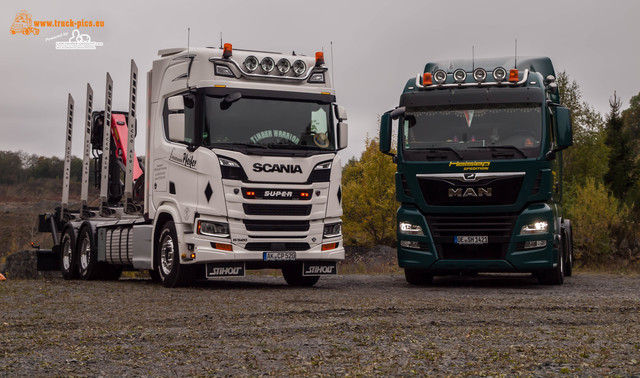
589, 155
622, 170
369, 191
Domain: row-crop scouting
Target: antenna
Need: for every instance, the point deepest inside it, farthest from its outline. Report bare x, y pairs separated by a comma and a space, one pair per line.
188, 54
221, 41
515, 64
473, 58
333, 69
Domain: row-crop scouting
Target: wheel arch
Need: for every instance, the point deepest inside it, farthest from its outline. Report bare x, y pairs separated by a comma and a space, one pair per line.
165, 213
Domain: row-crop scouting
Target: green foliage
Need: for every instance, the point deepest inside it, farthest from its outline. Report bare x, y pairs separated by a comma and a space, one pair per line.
20, 168
369, 191
599, 222
589, 155
622, 168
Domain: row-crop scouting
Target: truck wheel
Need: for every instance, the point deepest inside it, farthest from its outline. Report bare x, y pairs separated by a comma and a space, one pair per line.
554, 276
68, 255
568, 266
418, 276
293, 275
168, 257
87, 255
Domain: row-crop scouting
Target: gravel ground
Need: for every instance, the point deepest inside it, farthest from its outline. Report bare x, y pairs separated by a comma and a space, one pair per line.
345, 325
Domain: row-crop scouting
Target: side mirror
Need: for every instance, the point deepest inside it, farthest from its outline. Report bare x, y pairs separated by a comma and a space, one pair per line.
343, 135
341, 113
385, 133
175, 106
564, 133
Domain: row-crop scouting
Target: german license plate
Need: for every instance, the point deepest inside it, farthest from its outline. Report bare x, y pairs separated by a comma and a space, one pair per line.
471, 239
278, 256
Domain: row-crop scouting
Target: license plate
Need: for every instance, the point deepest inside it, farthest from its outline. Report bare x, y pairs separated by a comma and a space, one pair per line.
471, 239
278, 256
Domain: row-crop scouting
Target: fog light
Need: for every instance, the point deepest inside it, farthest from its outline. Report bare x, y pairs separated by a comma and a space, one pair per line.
535, 228
535, 244
410, 244
410, 229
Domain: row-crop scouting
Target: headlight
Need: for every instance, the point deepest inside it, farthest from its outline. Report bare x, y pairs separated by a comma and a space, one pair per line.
267, 64
332, 229
535, 228
410, 229
440, 76
220, 230
251, 63
499, 74
228, 163
479, 74
325, 165
299, 67
284, 66
459, 75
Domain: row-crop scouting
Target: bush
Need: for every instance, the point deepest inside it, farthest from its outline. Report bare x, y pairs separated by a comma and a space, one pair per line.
599, 223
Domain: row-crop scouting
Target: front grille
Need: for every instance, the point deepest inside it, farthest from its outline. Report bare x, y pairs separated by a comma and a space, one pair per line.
448, 192
277, 246
498, 228
260, 209
271, 225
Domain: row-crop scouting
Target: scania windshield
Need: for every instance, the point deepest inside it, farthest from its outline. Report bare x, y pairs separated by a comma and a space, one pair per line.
504, 131
238, 121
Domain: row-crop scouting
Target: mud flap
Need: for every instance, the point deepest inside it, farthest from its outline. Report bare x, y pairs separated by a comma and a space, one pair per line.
48, 259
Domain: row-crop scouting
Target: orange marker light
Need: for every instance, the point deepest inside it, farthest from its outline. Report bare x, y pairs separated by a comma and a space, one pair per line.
319, 58
228, 51
426, 79
224, 247
304, 195
326, 247
513, 76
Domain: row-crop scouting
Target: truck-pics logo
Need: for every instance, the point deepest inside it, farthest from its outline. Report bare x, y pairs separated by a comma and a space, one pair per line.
23, 24
186, 159
470, 192
279, 168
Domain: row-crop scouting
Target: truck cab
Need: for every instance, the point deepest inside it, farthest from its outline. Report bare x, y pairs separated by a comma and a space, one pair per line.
242, 161
479, 175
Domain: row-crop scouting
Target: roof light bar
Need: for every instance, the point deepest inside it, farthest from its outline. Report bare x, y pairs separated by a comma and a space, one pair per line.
459, 76
480, 75
499, 74
440, 76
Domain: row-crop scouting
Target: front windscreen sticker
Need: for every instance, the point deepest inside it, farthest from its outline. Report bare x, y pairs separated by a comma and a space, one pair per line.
471, 165
274, 134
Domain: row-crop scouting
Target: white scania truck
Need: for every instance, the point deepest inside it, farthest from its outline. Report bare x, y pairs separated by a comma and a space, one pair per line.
241, 172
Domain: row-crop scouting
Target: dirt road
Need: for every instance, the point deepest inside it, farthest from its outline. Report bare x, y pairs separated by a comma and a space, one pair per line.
345, 325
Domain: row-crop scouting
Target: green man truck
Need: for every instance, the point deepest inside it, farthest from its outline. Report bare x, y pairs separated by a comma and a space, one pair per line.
479, 170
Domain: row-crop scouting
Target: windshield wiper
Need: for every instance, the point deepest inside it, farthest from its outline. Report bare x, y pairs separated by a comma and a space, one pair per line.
238, 144
494, 148
448, 149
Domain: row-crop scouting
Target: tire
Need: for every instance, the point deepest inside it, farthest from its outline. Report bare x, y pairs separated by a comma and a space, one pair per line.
554, 276
155, 275
568, 266
293, 275
88, 265
168, 257
68, 255
418, 276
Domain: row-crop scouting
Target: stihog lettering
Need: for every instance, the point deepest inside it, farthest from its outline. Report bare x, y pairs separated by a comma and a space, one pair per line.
278, 168
225, 271
320, 269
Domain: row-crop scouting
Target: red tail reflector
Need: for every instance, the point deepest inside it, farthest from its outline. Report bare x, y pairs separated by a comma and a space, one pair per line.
513, 76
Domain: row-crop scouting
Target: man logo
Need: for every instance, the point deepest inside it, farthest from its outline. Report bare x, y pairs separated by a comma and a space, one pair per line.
470, 192
469, 177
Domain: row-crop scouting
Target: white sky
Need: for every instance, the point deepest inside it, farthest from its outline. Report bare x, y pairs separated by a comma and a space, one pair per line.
377, 46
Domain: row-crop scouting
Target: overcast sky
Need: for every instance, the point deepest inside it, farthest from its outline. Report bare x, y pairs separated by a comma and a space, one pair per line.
377, 46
